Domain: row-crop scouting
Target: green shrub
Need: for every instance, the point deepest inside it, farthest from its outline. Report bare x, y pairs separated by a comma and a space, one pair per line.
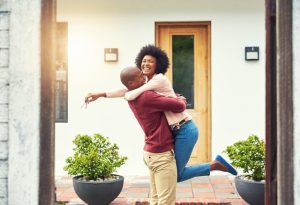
95, 157
248, 155
60, 203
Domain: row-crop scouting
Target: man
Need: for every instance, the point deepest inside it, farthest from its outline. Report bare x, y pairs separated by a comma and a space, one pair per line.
149, 109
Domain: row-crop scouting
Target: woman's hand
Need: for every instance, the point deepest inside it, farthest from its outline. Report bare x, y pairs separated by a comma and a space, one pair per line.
93, 96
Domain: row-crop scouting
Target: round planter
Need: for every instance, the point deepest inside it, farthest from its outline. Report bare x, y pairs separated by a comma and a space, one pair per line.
253, 192
98, 193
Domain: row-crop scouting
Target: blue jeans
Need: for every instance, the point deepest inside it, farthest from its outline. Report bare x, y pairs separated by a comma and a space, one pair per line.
185, 140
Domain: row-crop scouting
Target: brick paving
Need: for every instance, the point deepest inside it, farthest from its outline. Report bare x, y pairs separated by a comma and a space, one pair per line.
207, 190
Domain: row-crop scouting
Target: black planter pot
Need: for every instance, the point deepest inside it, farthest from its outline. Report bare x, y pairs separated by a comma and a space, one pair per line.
98, 193
253, 192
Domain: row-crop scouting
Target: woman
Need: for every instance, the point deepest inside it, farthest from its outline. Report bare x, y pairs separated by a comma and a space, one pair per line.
154, 63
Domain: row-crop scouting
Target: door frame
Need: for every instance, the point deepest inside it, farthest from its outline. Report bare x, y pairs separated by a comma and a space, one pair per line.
202, 29
279, 103
47, 106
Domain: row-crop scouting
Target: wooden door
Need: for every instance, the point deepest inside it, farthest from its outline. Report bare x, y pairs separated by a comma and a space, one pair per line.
188, 47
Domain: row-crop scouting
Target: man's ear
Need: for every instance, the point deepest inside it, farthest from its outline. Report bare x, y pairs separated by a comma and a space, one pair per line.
130, 83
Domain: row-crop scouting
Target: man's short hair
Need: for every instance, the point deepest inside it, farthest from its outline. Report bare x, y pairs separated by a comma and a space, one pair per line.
127, 74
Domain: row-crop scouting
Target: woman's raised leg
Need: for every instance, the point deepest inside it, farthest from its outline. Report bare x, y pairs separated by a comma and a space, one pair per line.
185, 140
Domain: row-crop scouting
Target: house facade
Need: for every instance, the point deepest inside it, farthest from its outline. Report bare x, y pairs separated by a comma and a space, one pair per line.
235, 88
233, 95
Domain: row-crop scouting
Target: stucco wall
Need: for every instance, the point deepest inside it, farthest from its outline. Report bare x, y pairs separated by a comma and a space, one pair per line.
296, 90
4, 86
24, 102
238, 86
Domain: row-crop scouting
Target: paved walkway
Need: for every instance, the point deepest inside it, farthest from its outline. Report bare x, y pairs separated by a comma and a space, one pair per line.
212, 190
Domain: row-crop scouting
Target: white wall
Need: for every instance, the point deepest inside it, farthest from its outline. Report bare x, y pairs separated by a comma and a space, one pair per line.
238, 86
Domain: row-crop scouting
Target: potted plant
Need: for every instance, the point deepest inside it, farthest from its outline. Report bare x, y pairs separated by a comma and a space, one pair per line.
93, 163
249, 155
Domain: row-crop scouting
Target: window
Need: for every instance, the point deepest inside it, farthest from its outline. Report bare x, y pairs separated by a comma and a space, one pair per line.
61, 91
183, 67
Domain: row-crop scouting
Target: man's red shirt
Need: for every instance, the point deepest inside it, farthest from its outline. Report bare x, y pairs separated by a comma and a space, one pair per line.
149, 109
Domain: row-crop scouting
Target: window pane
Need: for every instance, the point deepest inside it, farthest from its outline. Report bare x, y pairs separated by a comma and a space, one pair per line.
183, 67
61, 113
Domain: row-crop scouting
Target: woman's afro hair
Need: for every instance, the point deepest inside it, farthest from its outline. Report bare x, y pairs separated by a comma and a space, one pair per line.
162, 60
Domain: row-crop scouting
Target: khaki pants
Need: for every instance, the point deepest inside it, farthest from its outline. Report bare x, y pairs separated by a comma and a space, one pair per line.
163, 177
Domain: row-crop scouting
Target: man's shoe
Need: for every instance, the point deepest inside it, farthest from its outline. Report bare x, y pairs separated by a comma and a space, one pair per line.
230, 168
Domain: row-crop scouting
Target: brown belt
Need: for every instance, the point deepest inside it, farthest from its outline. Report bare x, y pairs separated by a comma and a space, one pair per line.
177, 126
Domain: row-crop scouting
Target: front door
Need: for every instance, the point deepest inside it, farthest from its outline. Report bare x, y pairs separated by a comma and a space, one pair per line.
188, 47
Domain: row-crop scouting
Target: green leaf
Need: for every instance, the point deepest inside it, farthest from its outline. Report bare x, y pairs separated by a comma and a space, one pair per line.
94, 157
249, 155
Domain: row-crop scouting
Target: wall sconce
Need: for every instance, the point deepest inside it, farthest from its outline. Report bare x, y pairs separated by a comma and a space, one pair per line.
252, 53
110, 54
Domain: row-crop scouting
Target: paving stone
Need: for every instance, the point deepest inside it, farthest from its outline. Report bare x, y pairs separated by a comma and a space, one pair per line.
225, 190
137, 195
138, 190
120, 202
206, 195
184, 189
220, 181
200, 185
198, 191
227, 195
76, 202
203, 179
184, 185
203, 190
140, 185
184, 195
221, 186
